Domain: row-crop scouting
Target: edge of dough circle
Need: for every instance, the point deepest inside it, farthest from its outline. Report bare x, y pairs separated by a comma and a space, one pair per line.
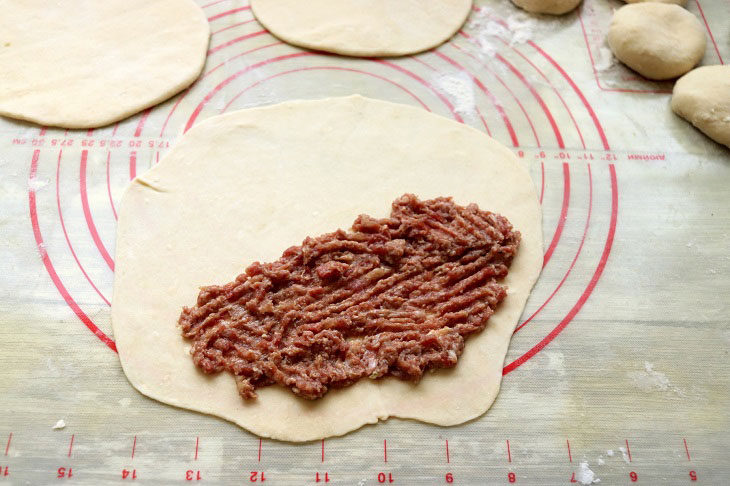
90, 64
244, 186
363, 28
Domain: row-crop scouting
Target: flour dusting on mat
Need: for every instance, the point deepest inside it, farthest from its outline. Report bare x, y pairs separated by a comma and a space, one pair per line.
624, 455
585, 476
604, 59
460, 88
34, 184
650, 380
61, 424
492, 33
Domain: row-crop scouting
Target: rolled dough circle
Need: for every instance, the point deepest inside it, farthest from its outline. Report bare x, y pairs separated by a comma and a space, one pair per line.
366, 28
702, 97
657, 40
89, 63
553, 7
682, 3
244, 186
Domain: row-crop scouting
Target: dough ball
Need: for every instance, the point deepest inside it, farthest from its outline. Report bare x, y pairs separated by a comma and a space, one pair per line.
702, 97
366, 28
683, 3
657, 40
89, 63
554, 7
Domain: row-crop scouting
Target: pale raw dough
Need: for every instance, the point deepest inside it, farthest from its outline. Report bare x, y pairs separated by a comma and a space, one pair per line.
657, 40
683, 3
553, 7
367, 28
89, 63
247, 185
702, 97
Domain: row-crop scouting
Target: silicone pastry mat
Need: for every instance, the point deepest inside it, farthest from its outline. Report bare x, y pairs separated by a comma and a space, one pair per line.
619, 365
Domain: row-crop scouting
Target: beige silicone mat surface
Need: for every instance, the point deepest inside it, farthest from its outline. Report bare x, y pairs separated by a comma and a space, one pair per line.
620, 365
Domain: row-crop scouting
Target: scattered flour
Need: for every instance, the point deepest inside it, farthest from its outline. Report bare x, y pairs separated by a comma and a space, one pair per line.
35, 184
556, 361
61, 424
601, 462
585, 476
624, 455
460, 88
651, 380
609, 453
491, 34
124, 402
605, 59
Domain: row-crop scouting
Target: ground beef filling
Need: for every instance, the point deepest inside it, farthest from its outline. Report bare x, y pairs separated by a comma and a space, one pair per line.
394, 296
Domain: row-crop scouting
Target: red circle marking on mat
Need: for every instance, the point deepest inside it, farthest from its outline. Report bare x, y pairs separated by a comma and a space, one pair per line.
228, 12
242, 38
213, 3
575, 259
577, 91
510, 367
316, 68
542, 180
87, 213
555, 90
108, 184
142, 121
65, 232
185, 93
33, 209
501, 81
565, 75
222, 84
523, 79
132, 165
563, 216
233, 26
588, 290
536, 95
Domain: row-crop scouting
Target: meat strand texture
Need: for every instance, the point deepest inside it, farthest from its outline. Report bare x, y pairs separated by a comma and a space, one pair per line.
395, 296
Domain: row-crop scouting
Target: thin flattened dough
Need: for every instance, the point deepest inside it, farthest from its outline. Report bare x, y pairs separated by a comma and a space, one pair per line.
245, 186
365, 28
89, 63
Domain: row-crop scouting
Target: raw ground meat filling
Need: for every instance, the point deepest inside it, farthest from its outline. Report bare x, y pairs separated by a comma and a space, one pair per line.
395, 296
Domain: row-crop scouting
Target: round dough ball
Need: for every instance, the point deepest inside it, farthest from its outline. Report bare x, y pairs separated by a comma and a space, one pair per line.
683, 3
89, 63
702, 97
366, 28
554, 7
658, 40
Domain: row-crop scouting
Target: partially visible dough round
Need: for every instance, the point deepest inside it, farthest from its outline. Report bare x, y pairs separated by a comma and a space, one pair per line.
683, 3
366, 28
657, 40
245, 186
702, 97
553, 7
89, 63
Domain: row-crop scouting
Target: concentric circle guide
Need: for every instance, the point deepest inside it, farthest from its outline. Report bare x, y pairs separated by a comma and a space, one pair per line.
246, 63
